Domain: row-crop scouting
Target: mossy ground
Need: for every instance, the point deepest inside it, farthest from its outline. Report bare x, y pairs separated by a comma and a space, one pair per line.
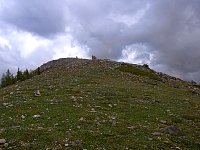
101, 105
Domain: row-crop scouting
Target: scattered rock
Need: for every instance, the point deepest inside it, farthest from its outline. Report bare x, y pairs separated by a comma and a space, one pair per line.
156, 133
5, 145
2, 141
178, 148
131, 127
163, 121
2, 130
36, 116
23, 117
81, 119
194, 90
110, 105
23, 144
11, 93
37, 93
150, 139
76, 143
173, 130
92, 110
5, 104
51, 87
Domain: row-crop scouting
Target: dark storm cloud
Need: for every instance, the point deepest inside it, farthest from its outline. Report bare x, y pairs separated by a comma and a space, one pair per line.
163, 33
43, 17
171, 29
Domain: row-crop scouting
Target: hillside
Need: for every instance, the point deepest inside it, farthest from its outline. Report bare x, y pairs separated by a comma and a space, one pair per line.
99, 105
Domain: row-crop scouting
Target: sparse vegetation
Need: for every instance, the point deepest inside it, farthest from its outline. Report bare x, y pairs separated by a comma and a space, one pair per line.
87, 104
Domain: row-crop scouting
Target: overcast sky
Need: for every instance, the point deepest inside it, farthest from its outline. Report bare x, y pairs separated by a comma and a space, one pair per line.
162, 33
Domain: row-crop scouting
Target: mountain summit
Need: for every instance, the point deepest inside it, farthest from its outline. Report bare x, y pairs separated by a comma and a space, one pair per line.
99, 104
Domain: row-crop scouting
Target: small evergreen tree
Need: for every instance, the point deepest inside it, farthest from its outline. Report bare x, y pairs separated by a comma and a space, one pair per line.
26, 74
31, 73
19, 75
7, 79
38, 71
3, 80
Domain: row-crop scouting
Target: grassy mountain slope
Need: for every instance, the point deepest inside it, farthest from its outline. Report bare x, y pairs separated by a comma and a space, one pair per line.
99, 104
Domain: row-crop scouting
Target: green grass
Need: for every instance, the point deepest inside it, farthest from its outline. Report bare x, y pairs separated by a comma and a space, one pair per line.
101, 105
142, 71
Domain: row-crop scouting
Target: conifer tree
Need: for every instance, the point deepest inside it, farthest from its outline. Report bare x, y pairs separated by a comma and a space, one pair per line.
19, 75
7, 79
38, 71
3, 80
26, 74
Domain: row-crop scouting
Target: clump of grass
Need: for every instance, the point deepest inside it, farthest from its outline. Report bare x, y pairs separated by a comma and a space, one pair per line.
138, 71
191, 117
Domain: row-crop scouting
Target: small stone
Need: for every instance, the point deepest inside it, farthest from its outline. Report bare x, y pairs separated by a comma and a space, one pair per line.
2, 141
23, 144
36, 116
23, 117
131, 127
5, 145
56, 124
93, 110
173, 130
166, 142
51, 87
2, 130
5, 104
81, 119
163, 121
76, 143
11, 93
156, 133
66, 144
40, 128
11, 105
37, 93
150, 139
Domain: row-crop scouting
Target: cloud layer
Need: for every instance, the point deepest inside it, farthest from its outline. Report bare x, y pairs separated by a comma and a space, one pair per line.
163, 33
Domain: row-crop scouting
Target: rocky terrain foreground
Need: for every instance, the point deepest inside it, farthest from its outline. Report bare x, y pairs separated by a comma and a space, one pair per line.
99, 105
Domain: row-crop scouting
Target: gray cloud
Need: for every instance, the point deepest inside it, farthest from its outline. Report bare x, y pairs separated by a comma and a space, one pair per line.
163, 33
45, 18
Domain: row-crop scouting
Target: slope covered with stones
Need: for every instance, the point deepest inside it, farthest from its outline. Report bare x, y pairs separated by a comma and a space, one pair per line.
99, 104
